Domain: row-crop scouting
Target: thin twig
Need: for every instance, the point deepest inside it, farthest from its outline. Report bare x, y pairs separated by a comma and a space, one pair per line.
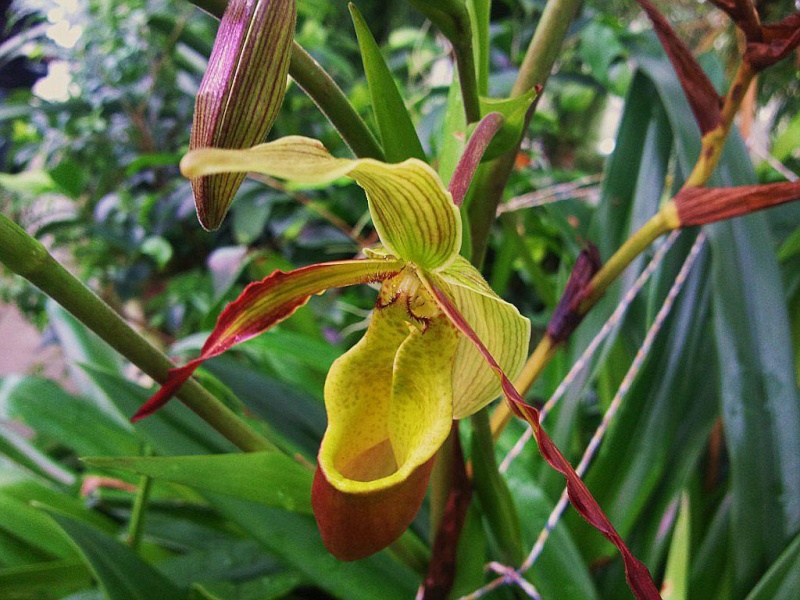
583, 187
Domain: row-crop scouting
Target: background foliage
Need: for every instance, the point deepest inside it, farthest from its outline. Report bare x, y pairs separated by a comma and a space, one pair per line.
699, 469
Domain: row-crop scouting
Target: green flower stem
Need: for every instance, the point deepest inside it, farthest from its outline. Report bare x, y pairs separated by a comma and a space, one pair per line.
714, 141
662, 222
488, 186
333, 103
323, 90
136, 523
465, 63
441, 482
28, 258
535, 69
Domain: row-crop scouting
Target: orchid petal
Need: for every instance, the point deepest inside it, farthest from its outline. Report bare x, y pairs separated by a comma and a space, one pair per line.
266, 303
639, 578
501, 327
412, 211
389, 405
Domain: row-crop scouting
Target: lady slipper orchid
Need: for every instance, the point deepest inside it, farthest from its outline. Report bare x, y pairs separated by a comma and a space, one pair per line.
391, 398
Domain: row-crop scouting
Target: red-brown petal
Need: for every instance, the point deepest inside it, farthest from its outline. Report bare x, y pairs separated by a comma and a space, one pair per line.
354, 526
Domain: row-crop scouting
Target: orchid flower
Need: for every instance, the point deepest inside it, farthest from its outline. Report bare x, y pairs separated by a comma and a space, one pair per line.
440, 346
390, 399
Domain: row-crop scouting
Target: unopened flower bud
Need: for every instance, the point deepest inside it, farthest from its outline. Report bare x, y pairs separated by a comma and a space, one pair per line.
241, 92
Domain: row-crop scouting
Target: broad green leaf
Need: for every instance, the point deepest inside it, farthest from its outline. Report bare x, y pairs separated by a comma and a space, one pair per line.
499, 325
782, 580
83, 347
176, 430
268, 478
399, 138
268, 587
28, 490
53, 579
76, 423
786, 144
292, 415
22, 521
22, 452
120, 572
28, 183
791, 246
412, 212
294, 538
760, 401
497, 506
453, 138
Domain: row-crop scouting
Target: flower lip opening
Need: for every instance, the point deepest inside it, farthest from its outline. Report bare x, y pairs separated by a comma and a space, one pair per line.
374, 463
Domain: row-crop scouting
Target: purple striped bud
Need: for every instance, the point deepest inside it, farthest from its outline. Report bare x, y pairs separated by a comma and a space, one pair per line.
241, 92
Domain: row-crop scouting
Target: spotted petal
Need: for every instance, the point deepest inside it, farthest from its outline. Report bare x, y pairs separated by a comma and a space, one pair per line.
412, 211
266, 303
389, 404
501, 327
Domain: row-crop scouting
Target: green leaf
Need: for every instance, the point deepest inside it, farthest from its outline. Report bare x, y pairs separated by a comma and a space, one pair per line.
295, 539
268, 478
790, 247
76, 424
22, 521
514, 111
83, 347
782, 580
28, 183
173, 431
121, 573
676, 577
480, 19
400, 140
560, 573
54, 579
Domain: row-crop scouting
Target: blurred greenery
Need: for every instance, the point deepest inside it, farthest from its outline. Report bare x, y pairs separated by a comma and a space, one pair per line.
705, 446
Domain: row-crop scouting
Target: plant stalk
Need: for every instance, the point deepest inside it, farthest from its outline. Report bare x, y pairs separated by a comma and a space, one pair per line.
136, 523
535, 69
28, 258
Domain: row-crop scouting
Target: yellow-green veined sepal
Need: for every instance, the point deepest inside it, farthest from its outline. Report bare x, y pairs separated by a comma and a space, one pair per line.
389, 405
500, 326
241, 92
412, 211
266, 303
